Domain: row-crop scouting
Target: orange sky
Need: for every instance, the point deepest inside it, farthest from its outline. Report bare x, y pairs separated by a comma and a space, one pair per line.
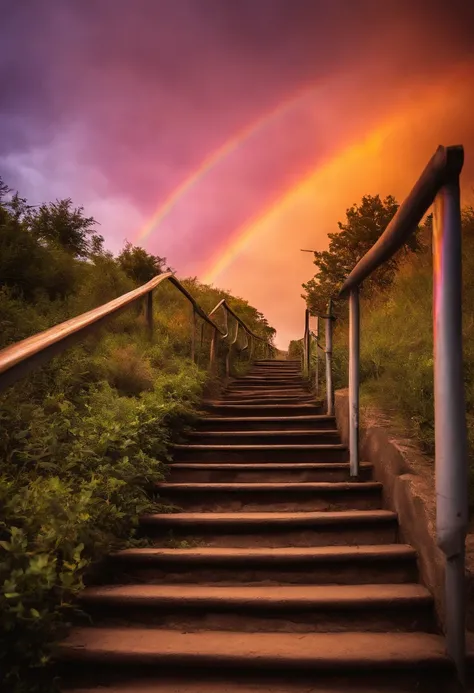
264, 264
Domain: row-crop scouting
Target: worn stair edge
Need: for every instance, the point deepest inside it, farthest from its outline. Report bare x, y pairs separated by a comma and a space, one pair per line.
268, 419
238, 448
337, 597
266, 466
264, 434
313, 651
288, 556
284, 519
290, 487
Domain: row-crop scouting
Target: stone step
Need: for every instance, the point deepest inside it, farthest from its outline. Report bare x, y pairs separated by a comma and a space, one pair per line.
236, 497
262, 437
266, 392
215, 472
273, 529
268, 387
264, 409
363, 564
258, 682
265, 608
267, 423
273, 399
319, 653
261, 453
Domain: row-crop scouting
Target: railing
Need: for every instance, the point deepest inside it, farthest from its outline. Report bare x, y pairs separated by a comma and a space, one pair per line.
19, 359
250, 336
311, 338
437, 185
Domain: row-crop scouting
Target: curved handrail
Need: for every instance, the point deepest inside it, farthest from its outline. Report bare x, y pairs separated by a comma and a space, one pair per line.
223, 304
18, 359
444, 166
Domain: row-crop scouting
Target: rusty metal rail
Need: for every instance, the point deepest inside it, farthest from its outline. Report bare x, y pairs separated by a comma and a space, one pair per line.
19, 359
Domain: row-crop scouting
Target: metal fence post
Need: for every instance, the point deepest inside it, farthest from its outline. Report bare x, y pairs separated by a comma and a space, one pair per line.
149, 314
193, 335
316, 365
307, 343
329, 388
354, 357
450, 415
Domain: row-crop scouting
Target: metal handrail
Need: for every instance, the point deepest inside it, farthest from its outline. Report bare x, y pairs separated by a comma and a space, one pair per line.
223, 304
20, 358
438, 184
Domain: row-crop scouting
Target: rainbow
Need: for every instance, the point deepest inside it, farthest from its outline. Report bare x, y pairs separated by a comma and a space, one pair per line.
217, 156
367, 145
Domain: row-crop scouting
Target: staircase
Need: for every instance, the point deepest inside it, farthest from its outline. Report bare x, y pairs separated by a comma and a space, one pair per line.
279, 573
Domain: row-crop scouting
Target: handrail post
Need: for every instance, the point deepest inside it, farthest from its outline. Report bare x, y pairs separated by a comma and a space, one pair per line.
307, 343
193, 335
212, 351
149, 314
328, 350
251, 348
450, 420
316, 365
354, 357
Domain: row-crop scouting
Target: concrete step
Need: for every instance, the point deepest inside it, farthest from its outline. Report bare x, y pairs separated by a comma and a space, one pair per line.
259, 682
265, 409
268, 386
272, 401
215, 472
267, 423
318, 653
235, 497
265, 608
254, 391
284, 437
261, 453
273, 529
390, 563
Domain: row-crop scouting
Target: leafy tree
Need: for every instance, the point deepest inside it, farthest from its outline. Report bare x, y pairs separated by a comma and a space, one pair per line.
60, 224
364, 224
139, 265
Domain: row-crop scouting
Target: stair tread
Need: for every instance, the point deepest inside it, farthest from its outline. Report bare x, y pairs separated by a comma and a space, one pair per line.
338, 596
287, 553
294, 446
324, 517
330, 486
265, 466
264, 419
318, 650
267, 434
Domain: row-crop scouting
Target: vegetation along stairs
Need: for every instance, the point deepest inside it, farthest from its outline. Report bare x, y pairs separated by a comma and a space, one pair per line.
278, 570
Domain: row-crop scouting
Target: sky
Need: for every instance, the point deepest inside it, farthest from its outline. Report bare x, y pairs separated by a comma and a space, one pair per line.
226, 136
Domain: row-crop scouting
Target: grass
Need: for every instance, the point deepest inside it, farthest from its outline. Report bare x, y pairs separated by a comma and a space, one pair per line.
397, 361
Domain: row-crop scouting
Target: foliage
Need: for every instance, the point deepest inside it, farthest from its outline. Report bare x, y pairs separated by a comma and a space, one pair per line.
139, 265
82, 438
364, 224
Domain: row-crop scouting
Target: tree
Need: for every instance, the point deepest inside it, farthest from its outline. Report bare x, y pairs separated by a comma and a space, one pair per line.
59, 224
139, 265
364, 224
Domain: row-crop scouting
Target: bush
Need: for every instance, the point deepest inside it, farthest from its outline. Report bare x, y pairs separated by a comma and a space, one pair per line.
83, 438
